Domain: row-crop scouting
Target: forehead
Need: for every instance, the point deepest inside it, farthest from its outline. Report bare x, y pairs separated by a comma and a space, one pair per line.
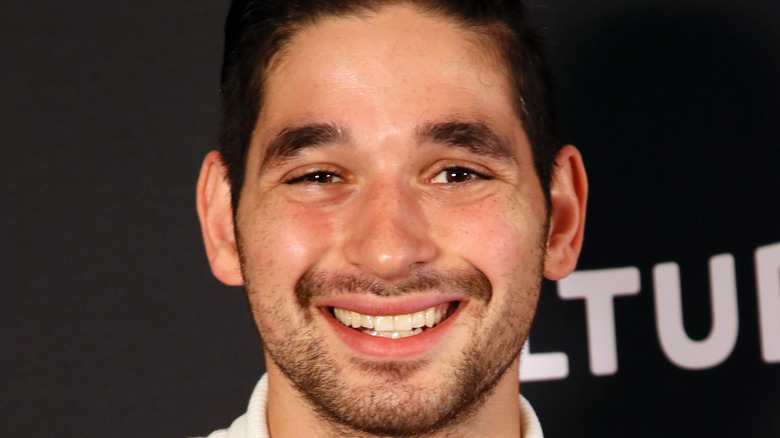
398, 64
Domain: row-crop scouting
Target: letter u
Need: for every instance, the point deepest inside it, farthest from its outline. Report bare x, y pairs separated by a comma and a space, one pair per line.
675, 343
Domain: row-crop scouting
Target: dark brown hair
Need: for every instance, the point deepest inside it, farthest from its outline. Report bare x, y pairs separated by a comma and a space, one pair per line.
258, 29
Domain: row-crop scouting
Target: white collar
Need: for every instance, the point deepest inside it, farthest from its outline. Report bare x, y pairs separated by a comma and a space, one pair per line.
253, 423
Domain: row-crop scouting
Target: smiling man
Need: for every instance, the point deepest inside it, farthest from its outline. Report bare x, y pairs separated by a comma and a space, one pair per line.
390, 193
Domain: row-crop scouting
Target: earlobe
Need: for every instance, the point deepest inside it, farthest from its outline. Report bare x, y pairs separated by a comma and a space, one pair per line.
568, 196
216, 220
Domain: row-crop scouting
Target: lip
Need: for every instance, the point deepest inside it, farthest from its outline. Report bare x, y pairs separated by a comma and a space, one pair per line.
384, 348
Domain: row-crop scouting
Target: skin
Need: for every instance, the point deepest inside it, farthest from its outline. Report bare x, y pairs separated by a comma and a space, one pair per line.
387, 212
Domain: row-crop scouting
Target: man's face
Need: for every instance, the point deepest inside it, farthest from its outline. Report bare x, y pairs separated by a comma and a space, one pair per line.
389, 175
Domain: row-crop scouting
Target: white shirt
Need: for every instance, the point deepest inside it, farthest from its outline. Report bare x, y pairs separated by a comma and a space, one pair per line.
253, 423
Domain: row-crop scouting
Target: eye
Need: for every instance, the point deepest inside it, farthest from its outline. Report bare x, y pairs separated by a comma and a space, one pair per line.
455, 175
319, 177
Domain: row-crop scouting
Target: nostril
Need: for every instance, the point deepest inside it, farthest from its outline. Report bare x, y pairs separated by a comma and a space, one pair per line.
417, 265
390, 259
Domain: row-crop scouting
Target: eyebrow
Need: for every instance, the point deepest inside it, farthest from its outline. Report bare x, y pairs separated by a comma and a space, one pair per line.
291, 140
475, 137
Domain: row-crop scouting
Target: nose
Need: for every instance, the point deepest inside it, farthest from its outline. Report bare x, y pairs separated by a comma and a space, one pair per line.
389, 235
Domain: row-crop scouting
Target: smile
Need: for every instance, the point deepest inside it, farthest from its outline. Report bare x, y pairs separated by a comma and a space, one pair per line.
394, 326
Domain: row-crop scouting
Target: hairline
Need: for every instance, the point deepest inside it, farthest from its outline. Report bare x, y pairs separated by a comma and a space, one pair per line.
498, 35
489, 36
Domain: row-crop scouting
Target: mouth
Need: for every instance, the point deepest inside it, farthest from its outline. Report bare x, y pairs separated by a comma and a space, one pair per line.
395, 326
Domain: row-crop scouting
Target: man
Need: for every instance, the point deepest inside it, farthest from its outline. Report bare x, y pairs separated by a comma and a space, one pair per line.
390, 193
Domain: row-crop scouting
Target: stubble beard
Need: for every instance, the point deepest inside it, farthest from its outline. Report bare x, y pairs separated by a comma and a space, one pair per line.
392, 407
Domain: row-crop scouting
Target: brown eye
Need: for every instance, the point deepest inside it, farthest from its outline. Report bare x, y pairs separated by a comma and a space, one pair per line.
316, 178
455, 175
459, 175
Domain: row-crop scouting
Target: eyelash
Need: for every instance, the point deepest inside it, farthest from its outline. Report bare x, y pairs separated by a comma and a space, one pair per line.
461, 170
317, 177
328, 177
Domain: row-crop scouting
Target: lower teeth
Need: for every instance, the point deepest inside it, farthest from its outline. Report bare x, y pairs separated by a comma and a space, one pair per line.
394, 335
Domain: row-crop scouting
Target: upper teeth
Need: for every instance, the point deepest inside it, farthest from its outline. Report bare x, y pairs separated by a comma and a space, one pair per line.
392, 323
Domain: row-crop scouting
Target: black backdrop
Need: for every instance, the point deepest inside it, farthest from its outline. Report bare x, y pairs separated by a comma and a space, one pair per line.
113, 326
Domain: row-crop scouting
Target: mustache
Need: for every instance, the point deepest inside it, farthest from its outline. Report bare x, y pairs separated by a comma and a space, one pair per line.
320, 284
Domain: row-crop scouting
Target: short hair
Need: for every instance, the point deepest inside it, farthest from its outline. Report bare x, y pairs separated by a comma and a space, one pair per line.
258, 29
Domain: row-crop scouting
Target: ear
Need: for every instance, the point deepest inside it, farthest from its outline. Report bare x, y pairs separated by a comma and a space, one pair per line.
568, 196
216, 220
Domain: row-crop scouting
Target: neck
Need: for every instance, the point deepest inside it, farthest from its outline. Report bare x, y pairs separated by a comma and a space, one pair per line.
290, 415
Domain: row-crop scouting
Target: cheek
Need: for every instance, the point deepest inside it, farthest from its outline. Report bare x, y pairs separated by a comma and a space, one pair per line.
501, 239
280, 247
